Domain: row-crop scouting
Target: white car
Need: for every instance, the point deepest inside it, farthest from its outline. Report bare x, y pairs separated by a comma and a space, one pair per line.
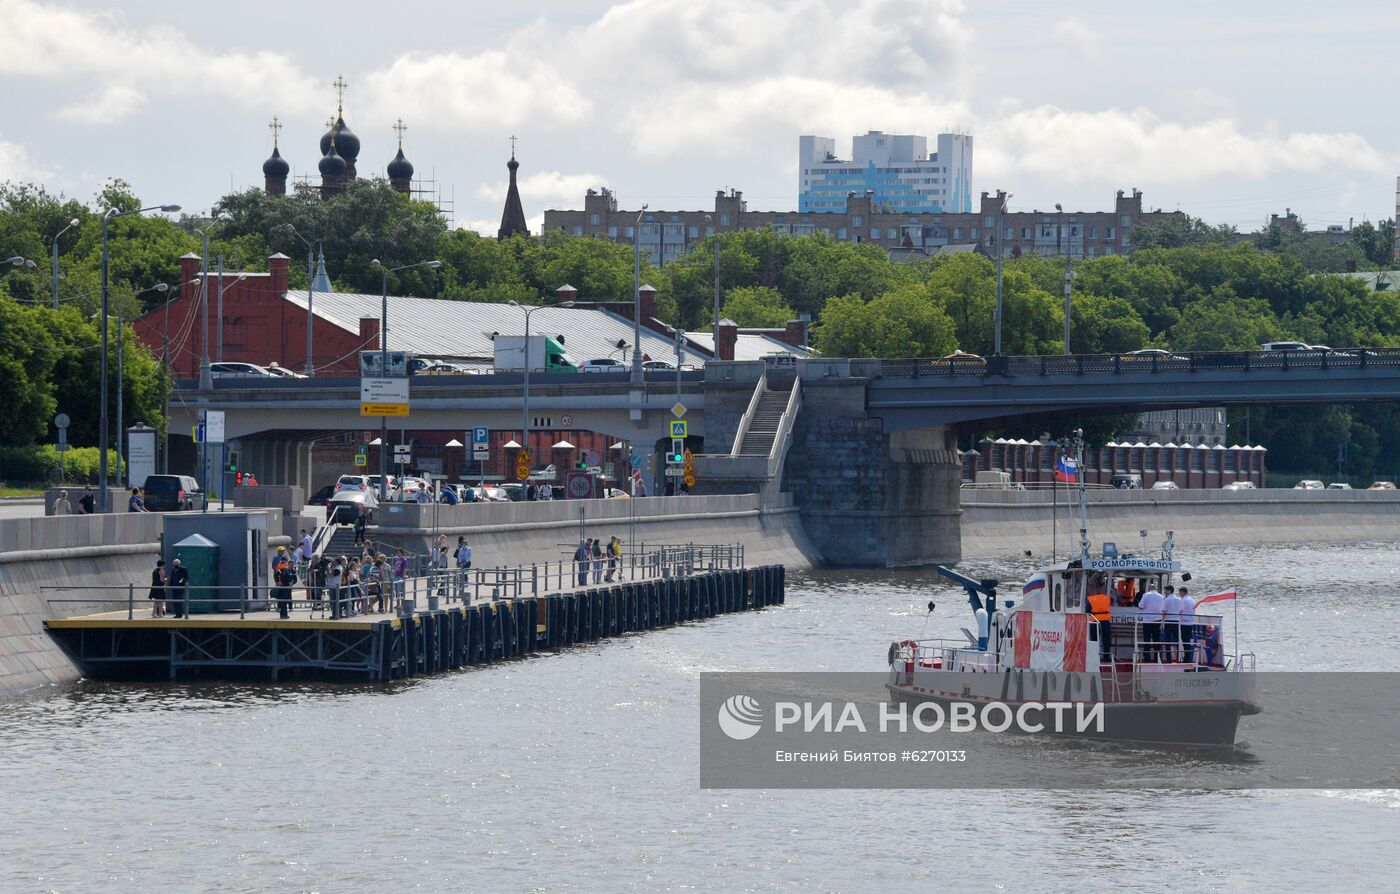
282, 372
409, 489
1339, 485
658, 366
604, 365
352, 482
1240, 485
237, 370
1382, 485
1165, 485
1309, 484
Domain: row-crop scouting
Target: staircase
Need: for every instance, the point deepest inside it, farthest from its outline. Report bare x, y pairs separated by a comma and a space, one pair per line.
767, 417
342, 542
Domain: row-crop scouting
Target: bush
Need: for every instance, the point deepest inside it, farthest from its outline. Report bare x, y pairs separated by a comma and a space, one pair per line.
35, 464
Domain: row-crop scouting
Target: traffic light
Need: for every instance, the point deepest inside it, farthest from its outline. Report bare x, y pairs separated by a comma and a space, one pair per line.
238, 478
582, 465
677, 454
232, 461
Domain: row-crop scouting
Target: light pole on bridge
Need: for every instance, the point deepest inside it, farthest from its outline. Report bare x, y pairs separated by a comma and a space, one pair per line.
1003, 198
525, 365
384, 360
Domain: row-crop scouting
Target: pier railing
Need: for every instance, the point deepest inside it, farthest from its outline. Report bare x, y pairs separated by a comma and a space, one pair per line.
428, 588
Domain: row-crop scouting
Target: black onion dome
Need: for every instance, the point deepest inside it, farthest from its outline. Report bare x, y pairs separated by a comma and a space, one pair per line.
332, 165
346, 143
276, 166
400, 168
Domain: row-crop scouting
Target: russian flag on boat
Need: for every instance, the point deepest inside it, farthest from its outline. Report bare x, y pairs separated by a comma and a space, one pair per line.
1067, 469
1223, 596
1035, 583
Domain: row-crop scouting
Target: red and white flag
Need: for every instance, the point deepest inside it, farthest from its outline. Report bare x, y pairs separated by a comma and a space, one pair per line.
1223, 596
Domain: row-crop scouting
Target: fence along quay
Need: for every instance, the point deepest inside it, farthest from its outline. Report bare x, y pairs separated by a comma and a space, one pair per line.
437, 622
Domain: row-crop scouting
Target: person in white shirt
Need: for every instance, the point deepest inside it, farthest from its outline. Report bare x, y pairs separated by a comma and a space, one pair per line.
1188, 626
546, 492
1150, 605
1171, 624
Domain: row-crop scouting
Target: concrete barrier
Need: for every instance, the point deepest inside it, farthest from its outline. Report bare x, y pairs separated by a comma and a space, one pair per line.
1007, 523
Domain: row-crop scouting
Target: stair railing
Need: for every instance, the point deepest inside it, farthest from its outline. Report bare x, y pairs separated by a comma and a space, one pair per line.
747, 419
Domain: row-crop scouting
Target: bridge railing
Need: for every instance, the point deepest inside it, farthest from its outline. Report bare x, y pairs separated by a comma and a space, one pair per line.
1117, 364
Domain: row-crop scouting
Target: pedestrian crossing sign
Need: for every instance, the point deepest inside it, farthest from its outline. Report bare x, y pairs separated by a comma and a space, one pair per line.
678, 428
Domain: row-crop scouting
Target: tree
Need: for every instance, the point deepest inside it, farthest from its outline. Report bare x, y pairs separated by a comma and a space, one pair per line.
1225, 322
1181, 231
757, 307
1102, 325
904, 322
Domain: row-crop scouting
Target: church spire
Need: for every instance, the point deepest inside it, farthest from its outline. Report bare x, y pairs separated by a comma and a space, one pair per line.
513, 217
275, 169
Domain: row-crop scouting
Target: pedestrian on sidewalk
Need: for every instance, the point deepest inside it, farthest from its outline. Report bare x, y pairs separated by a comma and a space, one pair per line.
136, 504
62, 506
87, 505
157, 594
463, 554
598, 561
361, 520
400, 573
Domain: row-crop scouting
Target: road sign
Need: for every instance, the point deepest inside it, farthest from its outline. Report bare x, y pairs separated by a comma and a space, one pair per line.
403, 459
522, 465
361, 460
675, 472
199, 433
481, 443
61, 421
578, 485
591, 457
381, 396
214, 426
372, 363
678, 428
689, 480
402, 448
678, 410
567, 420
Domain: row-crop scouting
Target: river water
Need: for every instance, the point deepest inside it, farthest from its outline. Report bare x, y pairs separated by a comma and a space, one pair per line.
577, 771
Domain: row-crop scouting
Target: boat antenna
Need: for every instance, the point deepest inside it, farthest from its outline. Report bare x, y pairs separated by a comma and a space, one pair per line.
1083, 498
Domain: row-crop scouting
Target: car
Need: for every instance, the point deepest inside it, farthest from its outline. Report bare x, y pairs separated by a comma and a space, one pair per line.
351, 482
1382, 485
1309, 484
961, 357
234, 370
613, 493
409, 488
282, 372
1339, 485
172, 493
1126, 481
1240, 485
658, 366
322, 496
1165, 485
1148, 355
604, 365
1285, 346
492, 494
344, 505
373, 482
513, 491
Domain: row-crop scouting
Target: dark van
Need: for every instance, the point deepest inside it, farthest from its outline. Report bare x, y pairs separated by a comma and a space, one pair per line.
173, 493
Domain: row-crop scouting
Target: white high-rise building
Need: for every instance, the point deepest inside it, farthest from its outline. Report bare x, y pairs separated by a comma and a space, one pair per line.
898, 169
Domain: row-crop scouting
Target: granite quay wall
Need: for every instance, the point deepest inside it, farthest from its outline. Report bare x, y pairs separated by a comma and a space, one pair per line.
1007, 523
509, 534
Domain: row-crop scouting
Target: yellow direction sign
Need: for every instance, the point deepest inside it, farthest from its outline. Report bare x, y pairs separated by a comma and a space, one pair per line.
383, 409
678, 428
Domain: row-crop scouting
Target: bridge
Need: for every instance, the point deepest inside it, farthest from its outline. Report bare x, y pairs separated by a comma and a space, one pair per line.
867, 447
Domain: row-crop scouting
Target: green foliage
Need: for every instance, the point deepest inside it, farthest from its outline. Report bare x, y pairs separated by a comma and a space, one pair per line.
1181, 232
36, 464
903, 322
757, 307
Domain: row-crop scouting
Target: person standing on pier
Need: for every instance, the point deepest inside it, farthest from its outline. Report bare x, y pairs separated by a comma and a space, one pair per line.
598, 561
179, 580
463, 554
335, 576
157, 594
614, 551
285, 577
583, 556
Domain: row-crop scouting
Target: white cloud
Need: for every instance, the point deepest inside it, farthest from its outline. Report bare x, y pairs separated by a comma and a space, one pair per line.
110, 104
124, 66
548, 189
1078, 37
17, 165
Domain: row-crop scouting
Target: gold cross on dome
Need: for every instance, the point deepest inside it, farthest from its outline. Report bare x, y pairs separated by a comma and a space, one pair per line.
339, 85
275, 126
399, 128
512, 146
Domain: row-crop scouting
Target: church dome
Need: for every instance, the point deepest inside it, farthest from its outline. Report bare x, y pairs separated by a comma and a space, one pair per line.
400, 168
332, 165
276, 166
346, 143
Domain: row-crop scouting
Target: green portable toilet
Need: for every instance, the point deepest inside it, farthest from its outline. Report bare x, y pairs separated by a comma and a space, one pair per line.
200, 556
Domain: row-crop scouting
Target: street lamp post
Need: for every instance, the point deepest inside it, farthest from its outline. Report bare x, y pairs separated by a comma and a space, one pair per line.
1001, 212
384, 361
206, 378
1068, 249
103, 502
525, 364
53, 275
637, 300
310, 296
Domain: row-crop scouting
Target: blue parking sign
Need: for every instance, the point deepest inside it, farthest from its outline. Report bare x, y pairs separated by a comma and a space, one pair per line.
481, 435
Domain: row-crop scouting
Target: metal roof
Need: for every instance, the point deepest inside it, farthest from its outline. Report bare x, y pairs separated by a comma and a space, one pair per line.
748, 346
441, 327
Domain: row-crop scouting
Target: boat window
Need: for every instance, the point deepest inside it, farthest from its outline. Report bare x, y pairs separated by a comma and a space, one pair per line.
1055, 598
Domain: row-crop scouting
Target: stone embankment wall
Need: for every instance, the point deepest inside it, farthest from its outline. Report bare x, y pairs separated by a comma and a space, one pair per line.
1007, 523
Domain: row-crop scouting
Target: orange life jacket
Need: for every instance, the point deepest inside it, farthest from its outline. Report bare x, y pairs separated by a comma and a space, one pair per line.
1099, 607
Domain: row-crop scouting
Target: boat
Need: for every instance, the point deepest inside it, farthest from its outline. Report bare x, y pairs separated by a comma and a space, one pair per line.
1048, 667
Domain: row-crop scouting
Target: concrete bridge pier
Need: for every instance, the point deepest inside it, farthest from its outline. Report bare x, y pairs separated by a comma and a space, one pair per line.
869, 497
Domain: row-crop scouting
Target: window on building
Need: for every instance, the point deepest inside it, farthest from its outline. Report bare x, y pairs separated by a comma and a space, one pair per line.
578, 230
1092, 232
1010, 233
973, 234
1135, 460
891, 233
987, 222
857, 221
1196, 460
1025, 232
1125, 221
957, 232
1229, 460
629, 232
874, 232
1108, 249
593, 220
1108, 233
612, 232
1212, 460
694, 232
724, 220
841, 233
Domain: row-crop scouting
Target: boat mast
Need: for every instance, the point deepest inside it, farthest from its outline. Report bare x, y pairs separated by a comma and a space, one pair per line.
1083, 498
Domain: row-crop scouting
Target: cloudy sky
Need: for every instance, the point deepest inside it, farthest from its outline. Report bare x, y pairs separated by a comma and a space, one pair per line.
1228, 111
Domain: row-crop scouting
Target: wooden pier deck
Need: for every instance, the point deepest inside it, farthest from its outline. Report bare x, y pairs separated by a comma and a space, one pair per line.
382, 647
